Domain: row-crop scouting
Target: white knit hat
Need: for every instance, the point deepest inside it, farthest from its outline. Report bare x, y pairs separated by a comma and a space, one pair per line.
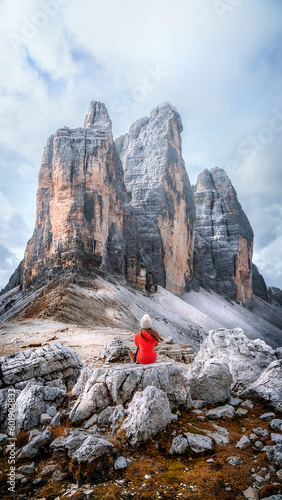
146, 322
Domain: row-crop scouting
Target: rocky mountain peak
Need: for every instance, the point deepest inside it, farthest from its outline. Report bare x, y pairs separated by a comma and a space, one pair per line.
127, 208
224, 237
98, 117
161, 195
84, 220
166, 112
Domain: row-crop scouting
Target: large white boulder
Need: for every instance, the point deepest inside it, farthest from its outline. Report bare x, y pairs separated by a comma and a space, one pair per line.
245, 358
32, 403
268, 386
147, 414
210, 381
119, 384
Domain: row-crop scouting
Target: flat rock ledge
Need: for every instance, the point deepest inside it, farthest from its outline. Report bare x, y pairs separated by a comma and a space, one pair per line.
44, 364
98, 388
33, 383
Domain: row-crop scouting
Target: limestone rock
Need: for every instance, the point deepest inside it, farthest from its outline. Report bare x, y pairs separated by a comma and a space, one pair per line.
93, 448
115, 351
181, 354
30, 405
245, 358
241, 412
161, 194
248, 403
33, 433
81, 381
73, 441
56, 420
105, 415
45, 419
234, 461
148, 413
92, 420
120, 463
36, 481
32, 448
268, 386
260, 432
251, 494
223, 237
94, 400
120, 383
43, 363
277, 438
210, 380
243, 443
234, 401
226, 411
196, 442
117, 416
58, 442
27, 469
276, 424
48, 469
52, 410
267, 417
84, 447
179, 445
220, 435
274, 454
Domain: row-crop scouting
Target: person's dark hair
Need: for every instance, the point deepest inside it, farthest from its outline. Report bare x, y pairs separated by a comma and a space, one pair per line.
153, 334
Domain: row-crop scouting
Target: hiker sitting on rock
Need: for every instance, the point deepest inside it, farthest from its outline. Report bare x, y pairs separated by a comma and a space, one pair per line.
146, 340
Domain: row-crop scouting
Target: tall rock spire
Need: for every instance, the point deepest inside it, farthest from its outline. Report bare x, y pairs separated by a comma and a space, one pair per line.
161, 194
83, 219
223, 237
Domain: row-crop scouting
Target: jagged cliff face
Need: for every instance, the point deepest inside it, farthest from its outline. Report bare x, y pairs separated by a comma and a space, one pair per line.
127, 208
223, 239
161, 194
83, 219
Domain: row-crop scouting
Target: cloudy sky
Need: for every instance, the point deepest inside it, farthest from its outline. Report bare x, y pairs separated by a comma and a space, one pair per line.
218, 61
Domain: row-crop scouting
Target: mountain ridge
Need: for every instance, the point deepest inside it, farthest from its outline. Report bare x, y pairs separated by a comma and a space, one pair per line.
125, 211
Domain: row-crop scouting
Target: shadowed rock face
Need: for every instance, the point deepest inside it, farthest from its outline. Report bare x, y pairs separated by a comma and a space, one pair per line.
259, 285
161, 194
275, 294
223, 239
84, 219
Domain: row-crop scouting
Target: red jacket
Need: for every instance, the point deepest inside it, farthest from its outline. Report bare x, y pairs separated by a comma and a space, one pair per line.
146, 353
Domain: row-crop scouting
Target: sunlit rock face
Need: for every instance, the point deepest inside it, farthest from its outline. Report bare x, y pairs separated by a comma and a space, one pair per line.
223, 237
161, 194
84, 218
